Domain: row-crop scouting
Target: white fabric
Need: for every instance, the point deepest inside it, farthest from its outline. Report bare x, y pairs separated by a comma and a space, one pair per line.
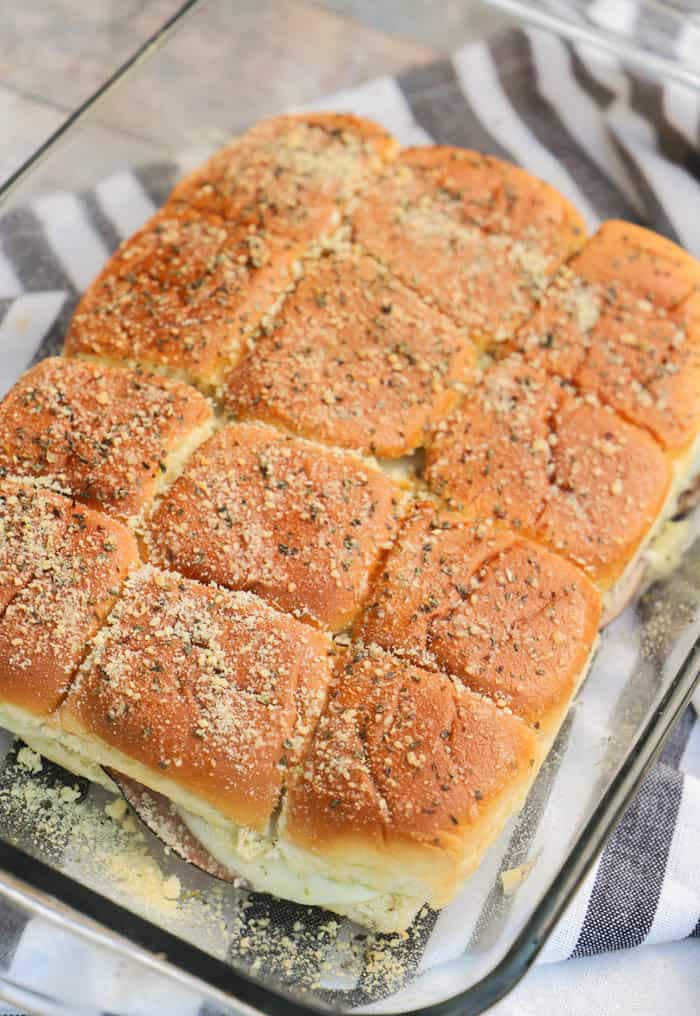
124, 202
662, 980
25, 324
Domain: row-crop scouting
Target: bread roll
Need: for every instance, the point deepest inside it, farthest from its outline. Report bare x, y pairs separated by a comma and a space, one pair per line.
290, 176
623, 323
61, 568
205, 695
510, 619
299, 524
189, 291
409, 778
112, 438
182, 296
527, 450
355, 359
478, 237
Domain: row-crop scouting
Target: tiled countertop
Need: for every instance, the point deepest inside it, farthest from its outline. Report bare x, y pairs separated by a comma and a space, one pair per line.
55, 53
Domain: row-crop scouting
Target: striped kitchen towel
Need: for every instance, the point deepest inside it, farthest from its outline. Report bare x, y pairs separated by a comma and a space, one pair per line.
617, 146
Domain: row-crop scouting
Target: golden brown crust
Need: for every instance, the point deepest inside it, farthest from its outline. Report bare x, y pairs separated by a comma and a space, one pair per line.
612, 482
478, 237
355, 359
290, 175
61, 567
402, 755
638, 261
507, 617
490, 457
623, 321
649, 371
189, 290
526, 450
296, 523
184, 295
104, 435
211, 688
498, 196
471, 634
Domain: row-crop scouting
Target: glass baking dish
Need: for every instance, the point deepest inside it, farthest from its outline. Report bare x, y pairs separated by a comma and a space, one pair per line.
91, 881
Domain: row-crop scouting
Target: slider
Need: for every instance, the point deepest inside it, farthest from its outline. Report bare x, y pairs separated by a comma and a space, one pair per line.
190, 290
475, 236
299, 524
205, 695
291, 175
510, 619
182, 296
623, 324
111, 438
354, 358
384, 801
527, 450
409, 779
61, 569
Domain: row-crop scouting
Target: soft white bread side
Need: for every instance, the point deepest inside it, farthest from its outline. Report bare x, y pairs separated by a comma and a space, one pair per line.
410, 776
48, 739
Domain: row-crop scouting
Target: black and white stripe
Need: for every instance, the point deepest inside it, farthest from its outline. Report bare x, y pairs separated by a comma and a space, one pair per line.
486, 86
574, 111
617, 148
625, 896
531, 62
442, 109
28, 323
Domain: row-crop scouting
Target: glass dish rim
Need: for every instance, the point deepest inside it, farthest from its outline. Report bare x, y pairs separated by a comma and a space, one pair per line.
47, 892
625, 48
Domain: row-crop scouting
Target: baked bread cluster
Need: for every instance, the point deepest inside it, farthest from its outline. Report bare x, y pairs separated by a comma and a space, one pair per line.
308, 534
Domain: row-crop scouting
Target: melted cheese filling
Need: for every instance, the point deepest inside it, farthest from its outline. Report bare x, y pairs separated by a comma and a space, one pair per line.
278, 867
44, 740
663, 546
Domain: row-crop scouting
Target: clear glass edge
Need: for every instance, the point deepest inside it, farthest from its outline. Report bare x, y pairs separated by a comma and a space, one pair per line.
58, 908
640, 56
144, 51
